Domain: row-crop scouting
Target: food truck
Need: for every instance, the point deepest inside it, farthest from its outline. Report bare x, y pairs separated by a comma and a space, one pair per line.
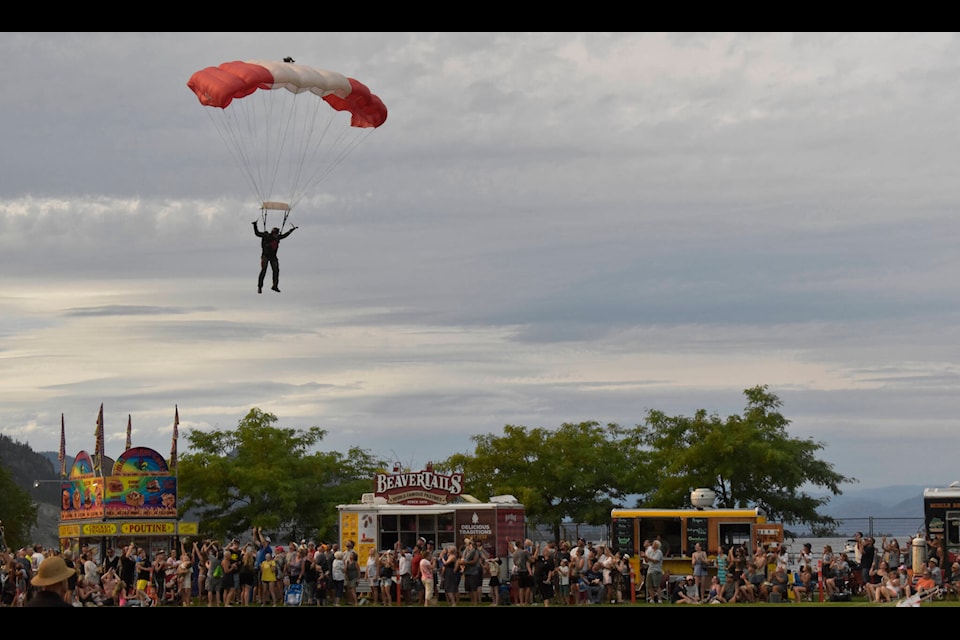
941, 517
106, 502
408, 507
681, 529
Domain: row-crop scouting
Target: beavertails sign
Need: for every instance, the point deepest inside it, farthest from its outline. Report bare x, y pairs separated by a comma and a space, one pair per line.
418, 487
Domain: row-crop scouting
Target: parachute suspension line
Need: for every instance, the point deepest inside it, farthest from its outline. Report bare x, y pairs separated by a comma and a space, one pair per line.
231, 138
336, 150
305, 141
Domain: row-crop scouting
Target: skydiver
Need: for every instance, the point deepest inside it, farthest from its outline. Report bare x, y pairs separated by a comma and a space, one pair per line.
269, 244
289, 59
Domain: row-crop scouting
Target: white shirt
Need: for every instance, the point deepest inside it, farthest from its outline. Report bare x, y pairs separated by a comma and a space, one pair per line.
90, 573
403, 566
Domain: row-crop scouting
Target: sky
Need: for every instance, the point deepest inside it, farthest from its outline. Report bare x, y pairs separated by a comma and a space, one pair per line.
548, 228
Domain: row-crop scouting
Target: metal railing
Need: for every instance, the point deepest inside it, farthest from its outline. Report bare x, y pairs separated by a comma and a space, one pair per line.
876, 527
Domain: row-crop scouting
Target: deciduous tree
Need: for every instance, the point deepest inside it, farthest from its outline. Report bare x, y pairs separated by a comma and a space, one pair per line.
748, 460
269, 477
572, 473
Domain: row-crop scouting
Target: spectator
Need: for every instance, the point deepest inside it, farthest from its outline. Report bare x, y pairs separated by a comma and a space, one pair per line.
876, 579
111, 561
90, 594
427, 577
714, 594
563, 580
840, 570
868, 556
143, 569
904, 581
805, 557
951, 584
776, 585
759, 561
351, 577
934, 565
523, 561
214, 584
591, 583
700, 563
247, 575
404, 572
114, 589
269, 580
747, 590
337, 577
373, 574
472, 571
926, 582
890, 589
311, 575
231, 571
185, 579
722, 563
654, 578
891, 551
826, 563
729, 590
51, 581
72, 580
803, 590
387, 569
687, 591
577, 566
451, 571
546, 576
416, 585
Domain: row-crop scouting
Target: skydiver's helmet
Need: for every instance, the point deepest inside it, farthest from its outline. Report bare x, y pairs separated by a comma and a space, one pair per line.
275, 230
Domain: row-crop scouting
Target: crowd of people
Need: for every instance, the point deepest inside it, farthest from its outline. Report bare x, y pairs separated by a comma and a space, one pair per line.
767, 574
206, 572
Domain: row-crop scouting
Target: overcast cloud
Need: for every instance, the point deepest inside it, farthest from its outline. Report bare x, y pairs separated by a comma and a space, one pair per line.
548, 228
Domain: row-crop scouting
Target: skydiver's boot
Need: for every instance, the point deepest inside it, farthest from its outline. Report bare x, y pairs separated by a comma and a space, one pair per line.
259, 288
275, 288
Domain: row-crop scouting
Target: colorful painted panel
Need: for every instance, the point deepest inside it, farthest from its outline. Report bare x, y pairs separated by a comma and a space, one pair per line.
139, 461
141, 496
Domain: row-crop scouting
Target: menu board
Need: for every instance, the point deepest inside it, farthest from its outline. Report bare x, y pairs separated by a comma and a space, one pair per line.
623, 535
696, 532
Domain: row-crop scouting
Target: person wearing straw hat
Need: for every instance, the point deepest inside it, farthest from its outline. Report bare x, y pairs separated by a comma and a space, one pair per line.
51, 579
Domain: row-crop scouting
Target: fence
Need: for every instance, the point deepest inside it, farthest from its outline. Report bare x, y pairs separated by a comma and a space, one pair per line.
845, 528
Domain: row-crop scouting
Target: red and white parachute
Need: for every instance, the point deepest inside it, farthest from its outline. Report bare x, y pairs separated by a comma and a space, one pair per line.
286, 142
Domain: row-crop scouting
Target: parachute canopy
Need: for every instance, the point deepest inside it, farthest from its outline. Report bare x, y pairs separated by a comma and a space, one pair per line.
286, 142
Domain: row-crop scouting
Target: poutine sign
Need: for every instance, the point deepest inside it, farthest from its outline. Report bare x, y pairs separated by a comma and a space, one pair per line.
418, 487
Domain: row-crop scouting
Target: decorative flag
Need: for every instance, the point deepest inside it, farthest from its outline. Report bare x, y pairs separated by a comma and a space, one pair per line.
129, 425
176, 434
98, 451
62, 457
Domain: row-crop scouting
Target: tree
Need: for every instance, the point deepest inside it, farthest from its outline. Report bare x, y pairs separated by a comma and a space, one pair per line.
748, 460
574, 472
258, 475
19, 513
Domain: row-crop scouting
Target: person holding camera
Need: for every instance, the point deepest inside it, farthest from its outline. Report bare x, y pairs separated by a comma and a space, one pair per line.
231, 571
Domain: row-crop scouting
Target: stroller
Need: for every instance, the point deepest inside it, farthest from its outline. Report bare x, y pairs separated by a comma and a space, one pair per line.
293, 595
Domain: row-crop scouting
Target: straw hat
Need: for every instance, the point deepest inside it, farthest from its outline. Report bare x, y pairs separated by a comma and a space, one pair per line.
52, 570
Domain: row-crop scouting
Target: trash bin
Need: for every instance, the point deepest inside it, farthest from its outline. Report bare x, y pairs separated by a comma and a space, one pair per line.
918, 555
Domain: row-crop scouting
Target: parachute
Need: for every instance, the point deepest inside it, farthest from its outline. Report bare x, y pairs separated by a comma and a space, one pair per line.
286, 142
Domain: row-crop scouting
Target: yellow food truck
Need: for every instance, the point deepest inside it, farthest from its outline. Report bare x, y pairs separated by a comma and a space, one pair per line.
681, 529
